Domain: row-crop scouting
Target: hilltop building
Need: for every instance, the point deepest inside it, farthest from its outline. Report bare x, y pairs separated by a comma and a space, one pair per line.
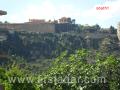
40, 25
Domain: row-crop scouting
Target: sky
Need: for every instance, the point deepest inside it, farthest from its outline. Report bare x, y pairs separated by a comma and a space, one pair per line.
84, 11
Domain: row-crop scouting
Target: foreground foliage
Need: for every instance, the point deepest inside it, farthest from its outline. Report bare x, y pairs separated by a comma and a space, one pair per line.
82, 70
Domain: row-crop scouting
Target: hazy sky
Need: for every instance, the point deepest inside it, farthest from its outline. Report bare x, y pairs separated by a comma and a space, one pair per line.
84, 11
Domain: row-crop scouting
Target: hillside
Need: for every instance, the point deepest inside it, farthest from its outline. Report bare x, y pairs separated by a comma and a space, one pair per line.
86, 52
31, 45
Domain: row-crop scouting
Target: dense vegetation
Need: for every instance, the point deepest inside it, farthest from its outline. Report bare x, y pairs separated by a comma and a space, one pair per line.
84, 59
83, 69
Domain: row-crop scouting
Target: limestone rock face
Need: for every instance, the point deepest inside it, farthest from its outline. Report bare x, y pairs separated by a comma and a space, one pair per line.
118, 31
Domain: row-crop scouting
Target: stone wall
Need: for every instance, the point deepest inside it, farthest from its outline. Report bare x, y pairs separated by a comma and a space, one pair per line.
64, 27
42, 27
